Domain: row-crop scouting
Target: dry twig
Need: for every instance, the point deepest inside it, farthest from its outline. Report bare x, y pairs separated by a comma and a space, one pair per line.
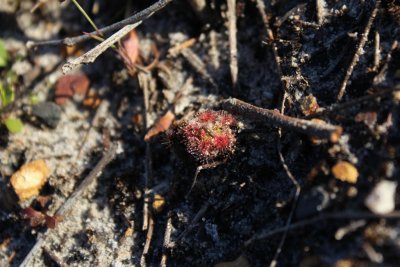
294, 205
359, 50
321, 130
140, 16
196, 218
149, 236
323, 217
196, 62
381, 75
232, 29
144, 81
68, 205
92, 54
351, 103
166, 243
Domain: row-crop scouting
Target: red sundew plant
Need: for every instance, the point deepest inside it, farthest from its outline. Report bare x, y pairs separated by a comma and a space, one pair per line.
209, 135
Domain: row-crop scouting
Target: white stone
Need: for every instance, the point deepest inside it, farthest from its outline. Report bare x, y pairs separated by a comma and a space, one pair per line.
382, 197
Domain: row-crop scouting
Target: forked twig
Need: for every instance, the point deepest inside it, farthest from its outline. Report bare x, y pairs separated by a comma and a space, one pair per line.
140, 16
92, 54
321, 130
68, 205
359, 50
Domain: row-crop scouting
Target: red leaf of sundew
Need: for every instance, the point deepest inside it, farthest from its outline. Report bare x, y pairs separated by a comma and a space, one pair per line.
131, 45
69, 85
160, 126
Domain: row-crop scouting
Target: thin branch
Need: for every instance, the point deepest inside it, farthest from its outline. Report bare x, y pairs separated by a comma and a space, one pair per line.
73, 198
140, 16
294, 205
146, 248
359, 50
381, 74
351, 103
327, 216
144, 80
232, 29
166, 243
196, 218
321, 130
92, 54
197, 63
272, 42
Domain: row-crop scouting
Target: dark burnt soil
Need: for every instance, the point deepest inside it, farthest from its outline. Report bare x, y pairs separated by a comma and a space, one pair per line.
248, 195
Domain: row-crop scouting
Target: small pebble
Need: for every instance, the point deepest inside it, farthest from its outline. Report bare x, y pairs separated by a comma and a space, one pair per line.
381, 200
48, 113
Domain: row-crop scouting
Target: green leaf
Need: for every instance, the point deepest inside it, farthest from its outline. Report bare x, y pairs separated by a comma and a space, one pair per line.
14, 125
3, 54
6, 95
34, 99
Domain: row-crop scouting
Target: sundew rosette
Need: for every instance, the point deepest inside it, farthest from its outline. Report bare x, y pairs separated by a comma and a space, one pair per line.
209, 135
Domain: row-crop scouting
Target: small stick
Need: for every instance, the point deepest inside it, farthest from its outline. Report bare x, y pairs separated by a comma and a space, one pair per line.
272, 42
166, 243
196, 218
351, 103
321, 130
321, 11
144, 80
68, 205
196, 62
149, 236
199, 169
377, 51
232, 29
140, 16
323, 217
92, 54
359, 50
381, 75
294, 205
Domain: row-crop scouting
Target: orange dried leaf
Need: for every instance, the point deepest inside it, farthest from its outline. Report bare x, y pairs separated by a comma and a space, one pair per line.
92, 100
345, 171
29, 179
158, 203
131, 45
160, 126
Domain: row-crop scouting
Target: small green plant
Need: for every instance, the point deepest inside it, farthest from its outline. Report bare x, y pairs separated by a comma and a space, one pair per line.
8, 81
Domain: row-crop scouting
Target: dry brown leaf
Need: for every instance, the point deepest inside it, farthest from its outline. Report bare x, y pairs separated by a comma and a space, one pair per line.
69, 85
160, 126
92, 100
131, 46
30, 178
345, 171
158, 203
